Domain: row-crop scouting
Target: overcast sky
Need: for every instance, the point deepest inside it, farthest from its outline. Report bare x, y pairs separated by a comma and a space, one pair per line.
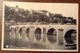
66, 9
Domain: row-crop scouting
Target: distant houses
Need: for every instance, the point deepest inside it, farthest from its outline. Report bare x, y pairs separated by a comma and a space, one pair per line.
19, 15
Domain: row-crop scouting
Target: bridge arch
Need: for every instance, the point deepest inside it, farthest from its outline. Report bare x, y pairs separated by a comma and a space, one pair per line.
70, 35
38, 33
12, 29
52, 35
12, 32
27, 32
20, 31
17, 33
16, 30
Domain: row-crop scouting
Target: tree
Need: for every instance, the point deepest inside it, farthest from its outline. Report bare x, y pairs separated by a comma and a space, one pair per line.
74, 21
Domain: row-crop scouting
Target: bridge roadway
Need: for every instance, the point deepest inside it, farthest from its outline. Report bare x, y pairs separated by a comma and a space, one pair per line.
40, 34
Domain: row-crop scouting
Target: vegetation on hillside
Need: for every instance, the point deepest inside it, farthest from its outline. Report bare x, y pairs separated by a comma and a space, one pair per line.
17, 15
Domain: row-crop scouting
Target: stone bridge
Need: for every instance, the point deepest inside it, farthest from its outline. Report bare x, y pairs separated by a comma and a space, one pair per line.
49, 35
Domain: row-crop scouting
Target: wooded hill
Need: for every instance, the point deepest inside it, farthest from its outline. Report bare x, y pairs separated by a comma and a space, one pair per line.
17, 14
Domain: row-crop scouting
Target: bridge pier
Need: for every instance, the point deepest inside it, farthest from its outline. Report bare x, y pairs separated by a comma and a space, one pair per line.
12, 36
23, 35
17, 33
31, 34
27, 32
60, 37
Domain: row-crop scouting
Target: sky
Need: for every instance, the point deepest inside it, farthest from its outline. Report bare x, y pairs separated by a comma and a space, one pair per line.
66, 9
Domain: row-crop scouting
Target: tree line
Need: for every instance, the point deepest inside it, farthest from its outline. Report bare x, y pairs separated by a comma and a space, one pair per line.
17, 14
